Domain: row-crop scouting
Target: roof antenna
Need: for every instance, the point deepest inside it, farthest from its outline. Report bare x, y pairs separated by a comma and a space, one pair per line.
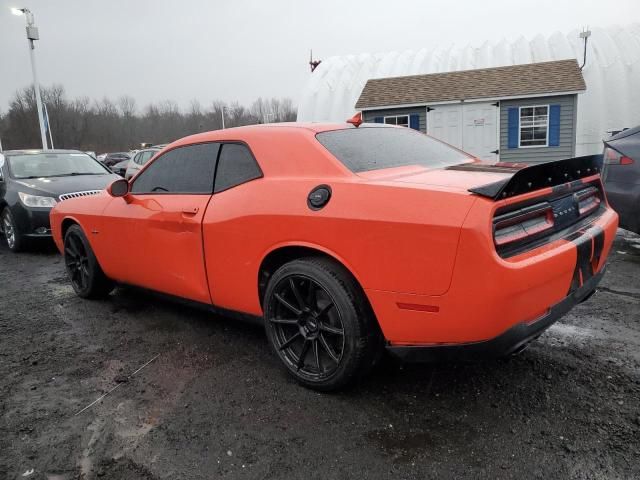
313, 63
585, 34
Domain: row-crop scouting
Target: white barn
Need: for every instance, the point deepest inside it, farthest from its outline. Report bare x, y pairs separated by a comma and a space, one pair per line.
612, 75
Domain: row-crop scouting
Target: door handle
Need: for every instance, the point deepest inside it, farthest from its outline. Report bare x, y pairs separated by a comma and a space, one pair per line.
190, 210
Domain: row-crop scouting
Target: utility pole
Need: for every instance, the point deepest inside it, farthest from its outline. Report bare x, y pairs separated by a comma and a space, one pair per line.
32, 36
228, 109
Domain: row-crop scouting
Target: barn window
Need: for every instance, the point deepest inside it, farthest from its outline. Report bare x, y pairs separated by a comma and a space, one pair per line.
400, 120
534, 126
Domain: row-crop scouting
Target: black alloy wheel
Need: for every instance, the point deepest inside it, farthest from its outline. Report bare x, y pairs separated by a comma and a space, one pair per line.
77, 262
319, 324
308, 327
87, 278
11, 232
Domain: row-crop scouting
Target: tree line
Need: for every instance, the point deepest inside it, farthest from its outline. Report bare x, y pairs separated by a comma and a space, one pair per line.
115, 125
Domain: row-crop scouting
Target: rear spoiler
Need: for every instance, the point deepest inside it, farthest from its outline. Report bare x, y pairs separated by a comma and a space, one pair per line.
540, 175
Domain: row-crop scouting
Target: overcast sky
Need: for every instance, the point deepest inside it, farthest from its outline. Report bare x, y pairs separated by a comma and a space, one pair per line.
240, 50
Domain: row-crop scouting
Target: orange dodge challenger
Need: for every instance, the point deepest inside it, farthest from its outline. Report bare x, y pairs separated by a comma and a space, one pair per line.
349, 239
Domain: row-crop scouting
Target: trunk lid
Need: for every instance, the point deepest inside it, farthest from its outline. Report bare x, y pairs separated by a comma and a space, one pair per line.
494, 180
460, 177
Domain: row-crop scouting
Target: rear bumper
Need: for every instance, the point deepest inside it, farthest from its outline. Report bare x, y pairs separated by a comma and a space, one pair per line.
504, 344
490, 295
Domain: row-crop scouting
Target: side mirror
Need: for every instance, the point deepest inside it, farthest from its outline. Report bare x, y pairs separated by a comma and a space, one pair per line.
118, 188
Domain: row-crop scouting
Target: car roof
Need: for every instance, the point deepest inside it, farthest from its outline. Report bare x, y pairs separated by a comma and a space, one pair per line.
316, 127
249, 131
625, 133
36, 151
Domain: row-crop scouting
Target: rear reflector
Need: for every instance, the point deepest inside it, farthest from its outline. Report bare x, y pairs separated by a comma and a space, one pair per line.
418, 307
520, 224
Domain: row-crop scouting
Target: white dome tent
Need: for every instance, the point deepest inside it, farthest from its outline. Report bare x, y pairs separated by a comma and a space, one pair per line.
612, 75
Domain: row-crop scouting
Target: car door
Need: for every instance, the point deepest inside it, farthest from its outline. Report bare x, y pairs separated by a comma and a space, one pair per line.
227, 242
153, 236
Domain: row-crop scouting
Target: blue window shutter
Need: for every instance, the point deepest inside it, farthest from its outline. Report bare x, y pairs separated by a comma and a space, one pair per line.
379, 120
414, 121
554, 125
514, 126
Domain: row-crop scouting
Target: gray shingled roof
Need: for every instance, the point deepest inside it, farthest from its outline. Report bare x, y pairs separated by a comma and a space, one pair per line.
516, 80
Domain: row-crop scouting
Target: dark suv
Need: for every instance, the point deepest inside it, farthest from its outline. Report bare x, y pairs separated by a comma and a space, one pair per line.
622, 176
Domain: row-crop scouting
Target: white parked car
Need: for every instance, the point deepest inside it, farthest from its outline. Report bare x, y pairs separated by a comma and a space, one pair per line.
140, 159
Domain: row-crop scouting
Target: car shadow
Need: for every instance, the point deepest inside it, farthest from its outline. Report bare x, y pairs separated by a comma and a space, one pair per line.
37, 246
390, 374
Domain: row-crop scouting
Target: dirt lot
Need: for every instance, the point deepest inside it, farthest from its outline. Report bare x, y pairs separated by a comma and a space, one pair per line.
214, 403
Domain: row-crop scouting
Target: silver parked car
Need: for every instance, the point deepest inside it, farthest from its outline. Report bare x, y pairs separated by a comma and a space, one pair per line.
140, 159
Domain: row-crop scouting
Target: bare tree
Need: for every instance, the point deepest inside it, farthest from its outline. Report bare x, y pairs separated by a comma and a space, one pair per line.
107, 125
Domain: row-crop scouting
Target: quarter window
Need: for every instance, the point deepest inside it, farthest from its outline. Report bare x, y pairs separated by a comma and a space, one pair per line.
534, 126
188, 169
235, 166
400, 120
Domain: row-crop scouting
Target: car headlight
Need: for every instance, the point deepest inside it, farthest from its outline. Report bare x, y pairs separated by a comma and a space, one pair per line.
36, 200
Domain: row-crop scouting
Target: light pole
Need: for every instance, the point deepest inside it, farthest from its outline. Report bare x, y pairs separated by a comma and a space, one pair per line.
32, 35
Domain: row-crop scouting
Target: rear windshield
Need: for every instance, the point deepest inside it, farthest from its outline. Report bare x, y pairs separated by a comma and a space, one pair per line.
373, 148
36, 165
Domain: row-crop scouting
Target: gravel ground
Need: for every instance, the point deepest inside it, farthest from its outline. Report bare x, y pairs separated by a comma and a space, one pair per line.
215, 404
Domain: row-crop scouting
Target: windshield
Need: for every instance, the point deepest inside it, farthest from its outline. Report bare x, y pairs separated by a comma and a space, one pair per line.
37, 165
373, 148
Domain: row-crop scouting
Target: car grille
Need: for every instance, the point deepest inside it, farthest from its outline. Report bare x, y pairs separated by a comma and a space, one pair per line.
86, 193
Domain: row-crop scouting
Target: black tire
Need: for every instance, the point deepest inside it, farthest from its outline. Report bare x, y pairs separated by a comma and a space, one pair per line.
319, 324
87, 278
13, 236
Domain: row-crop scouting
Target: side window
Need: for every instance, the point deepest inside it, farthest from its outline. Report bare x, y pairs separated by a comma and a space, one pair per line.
147, 156
188, 169
142, 158
235, 166
137, 158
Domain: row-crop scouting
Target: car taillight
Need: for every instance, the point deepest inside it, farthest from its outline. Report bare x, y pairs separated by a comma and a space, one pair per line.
588, 200
521, 224
613, 157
